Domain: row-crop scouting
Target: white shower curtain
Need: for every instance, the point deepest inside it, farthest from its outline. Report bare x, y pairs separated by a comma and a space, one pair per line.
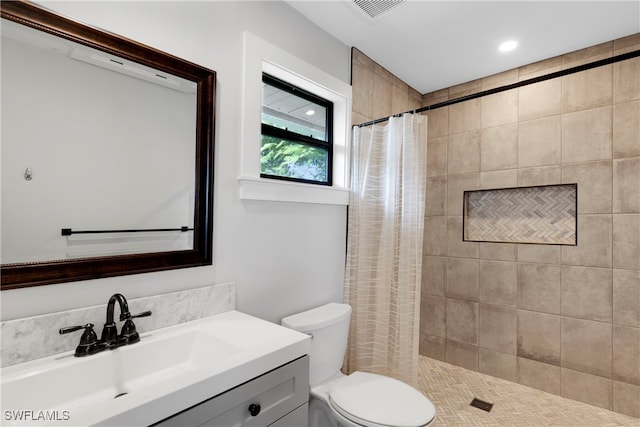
384, 247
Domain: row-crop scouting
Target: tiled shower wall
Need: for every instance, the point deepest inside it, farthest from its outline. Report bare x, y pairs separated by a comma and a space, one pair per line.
562, 319
378, 93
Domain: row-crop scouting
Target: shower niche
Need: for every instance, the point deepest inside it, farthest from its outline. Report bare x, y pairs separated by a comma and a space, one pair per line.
545, 214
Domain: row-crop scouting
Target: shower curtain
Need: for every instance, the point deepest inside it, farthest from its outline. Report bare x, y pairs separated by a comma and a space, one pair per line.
384, 246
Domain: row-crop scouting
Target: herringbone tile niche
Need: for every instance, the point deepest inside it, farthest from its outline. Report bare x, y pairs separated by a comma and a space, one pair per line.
542, 214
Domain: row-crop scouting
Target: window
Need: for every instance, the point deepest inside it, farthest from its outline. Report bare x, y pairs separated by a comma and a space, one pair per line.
297, 140
260, 58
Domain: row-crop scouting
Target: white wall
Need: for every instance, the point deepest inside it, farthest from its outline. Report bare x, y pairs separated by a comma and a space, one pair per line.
127, 132
284, 257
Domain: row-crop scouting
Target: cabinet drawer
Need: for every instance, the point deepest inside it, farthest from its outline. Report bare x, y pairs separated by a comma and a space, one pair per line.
277, 392
297, 418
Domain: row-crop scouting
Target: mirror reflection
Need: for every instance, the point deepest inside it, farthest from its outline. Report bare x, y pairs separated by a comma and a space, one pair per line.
91, 142
107, 153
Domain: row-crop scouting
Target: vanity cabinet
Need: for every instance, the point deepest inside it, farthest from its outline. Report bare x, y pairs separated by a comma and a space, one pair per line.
276, 398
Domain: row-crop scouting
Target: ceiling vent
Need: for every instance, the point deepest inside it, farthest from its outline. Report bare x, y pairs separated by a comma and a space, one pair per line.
376, 8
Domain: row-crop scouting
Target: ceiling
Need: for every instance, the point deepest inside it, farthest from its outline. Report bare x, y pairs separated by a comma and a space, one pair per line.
432, 45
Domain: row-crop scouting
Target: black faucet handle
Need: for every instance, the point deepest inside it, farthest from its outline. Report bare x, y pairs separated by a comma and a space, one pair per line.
68, 329
143, 314
88, 340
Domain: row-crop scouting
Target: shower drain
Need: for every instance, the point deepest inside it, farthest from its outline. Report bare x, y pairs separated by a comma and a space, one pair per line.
481, 404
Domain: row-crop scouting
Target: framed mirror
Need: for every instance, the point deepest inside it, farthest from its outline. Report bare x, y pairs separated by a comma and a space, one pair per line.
107, 153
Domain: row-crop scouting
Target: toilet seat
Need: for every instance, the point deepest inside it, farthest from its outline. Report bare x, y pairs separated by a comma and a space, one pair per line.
377, 401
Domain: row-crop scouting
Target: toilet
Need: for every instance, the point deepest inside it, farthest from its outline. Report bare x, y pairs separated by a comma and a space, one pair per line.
359, 399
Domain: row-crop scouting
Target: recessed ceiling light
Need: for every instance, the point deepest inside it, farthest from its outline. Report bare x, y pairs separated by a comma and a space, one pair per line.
508, 46
310, 112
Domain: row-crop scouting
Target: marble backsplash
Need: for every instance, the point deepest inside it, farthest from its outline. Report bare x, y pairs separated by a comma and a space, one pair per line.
35, 337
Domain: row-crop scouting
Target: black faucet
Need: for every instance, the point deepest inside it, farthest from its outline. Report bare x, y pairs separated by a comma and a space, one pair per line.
110, 339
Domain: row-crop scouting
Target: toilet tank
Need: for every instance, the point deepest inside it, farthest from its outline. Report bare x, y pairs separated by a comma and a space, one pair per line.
328, 326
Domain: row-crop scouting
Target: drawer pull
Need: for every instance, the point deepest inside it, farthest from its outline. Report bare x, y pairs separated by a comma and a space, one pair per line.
254, 409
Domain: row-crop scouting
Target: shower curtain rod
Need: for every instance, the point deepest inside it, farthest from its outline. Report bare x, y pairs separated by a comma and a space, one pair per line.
572, 70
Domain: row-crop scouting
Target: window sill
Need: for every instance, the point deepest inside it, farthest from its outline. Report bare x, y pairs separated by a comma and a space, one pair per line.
281, 191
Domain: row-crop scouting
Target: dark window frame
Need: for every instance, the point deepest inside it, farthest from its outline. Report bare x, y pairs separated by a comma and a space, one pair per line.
276, 132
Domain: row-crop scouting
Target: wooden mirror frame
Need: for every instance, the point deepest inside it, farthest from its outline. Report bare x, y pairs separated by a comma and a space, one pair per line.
19, 275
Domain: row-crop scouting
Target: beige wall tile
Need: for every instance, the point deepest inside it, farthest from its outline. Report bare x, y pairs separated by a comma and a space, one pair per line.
463, 154
462, 279
499, 148
587, 388
464, 116
539, 287
587, 135
499, 179
626, 44
626, 354
434, 274
456, 247
539, 142
540, 100
435, 236
462, 321
589, 54
626, 297
626, 399
362, 82
586, 346
432, 98
626, 185
587, 89
540, 68
399, 83
456, 186
432, 312
626, 130
498, 283
626, 241
546, 254
539, 375
497, 328
501, 79
594, 247
431, 346
399, 98
464, 89
587, 293
539, 336
462, 354
381, 71
498, 251
497, 364
594, 185
626, 80
382, 89
437, 156
436, 196
499, 109
544, 175
438, 122
357, 118
415, 99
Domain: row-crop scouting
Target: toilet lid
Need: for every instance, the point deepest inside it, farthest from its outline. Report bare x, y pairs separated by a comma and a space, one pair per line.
373, 399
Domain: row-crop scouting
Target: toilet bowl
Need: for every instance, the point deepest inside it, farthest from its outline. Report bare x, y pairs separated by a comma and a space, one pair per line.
359, 399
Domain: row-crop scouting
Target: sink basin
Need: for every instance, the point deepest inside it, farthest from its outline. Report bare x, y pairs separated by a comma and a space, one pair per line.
169, 370
111, 374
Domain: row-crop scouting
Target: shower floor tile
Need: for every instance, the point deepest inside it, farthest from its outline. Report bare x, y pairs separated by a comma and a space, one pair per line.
452, 388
